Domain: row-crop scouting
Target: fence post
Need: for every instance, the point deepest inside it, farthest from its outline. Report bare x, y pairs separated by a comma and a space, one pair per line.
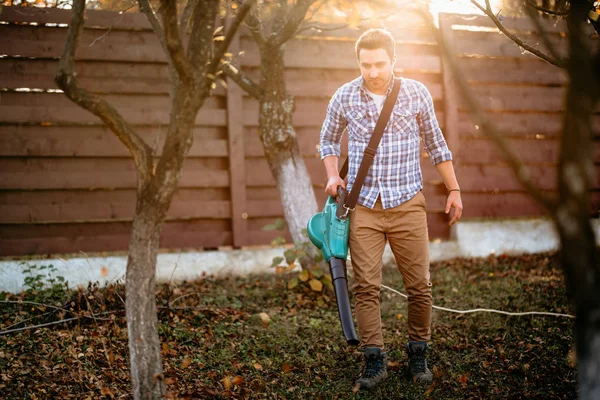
451, 119
237, 174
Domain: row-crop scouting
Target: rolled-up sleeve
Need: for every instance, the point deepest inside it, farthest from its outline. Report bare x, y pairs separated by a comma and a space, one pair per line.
332, 129
433, 139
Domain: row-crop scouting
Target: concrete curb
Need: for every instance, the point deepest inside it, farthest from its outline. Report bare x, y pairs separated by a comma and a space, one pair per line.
469, 239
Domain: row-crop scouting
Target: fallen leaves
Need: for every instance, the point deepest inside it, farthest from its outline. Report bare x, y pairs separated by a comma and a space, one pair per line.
316, 285
220, 348
185, 363
265, 319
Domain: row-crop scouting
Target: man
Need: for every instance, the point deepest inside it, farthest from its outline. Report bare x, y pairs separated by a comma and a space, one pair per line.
391, 205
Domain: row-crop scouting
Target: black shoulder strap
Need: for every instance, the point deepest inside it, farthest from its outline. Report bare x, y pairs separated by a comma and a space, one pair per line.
367, 160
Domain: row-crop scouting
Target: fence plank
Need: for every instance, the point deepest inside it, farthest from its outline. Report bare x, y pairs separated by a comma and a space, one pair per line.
99, 173
42, 206
492, 44
55, 108
113, 236
336, 55
519, 24
115, 20
529, 151
511, 71
95, 44
96, 141
517, 98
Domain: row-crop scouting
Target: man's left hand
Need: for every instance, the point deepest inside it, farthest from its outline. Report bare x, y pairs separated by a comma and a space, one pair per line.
454, 201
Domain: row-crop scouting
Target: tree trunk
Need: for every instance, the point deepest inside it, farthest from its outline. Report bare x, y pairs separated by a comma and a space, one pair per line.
281, 144
578, 244
144, 344
153, 201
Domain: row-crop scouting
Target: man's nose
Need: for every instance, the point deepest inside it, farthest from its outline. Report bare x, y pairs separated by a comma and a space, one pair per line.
373, 73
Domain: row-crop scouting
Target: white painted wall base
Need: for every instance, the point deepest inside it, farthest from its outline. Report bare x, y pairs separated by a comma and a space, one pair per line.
470, 239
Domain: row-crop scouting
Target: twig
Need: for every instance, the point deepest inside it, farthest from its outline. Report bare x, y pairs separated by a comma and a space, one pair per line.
547, 11
6, 332
98, 328
488, 11
33, 303
182, 297
29, 319
176, 265
115, 20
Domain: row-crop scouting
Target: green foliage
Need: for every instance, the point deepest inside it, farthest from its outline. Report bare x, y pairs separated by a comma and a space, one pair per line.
42, 283
311, 281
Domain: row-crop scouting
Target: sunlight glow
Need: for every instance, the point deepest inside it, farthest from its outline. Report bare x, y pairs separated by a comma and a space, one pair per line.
459, 7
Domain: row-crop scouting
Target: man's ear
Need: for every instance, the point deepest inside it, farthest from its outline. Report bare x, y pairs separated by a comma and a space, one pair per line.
393, 62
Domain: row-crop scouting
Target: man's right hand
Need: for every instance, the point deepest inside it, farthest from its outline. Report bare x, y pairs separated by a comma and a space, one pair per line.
332, 185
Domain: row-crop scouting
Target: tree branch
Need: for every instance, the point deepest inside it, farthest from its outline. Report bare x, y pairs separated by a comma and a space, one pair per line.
154, 22
532, 4
66, 80
488, 11
520, 170
254, 24
168, 35
201, 37
242, 80
295, 18
222, 48
173, 41
185, 16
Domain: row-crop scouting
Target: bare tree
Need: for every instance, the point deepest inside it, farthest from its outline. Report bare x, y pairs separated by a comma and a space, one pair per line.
273, 24
569, 210
191, 73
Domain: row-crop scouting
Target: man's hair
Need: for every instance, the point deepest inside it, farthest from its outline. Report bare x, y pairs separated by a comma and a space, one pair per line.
376, 39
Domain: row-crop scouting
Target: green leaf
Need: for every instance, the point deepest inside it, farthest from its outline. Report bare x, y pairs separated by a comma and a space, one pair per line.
278, 241
292, 283
290, 255
317, 273
303, 275
276, 261
280, 224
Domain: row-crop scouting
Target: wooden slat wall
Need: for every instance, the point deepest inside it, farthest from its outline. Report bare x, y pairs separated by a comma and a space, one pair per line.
67, 184
524, 98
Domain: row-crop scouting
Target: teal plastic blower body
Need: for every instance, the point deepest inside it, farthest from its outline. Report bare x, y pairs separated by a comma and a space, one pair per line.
329, 232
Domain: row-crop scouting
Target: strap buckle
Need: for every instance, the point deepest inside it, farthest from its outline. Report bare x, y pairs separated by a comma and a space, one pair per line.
369, 152
348, 209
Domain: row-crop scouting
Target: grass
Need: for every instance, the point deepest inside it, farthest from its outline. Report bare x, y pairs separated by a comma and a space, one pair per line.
216, 345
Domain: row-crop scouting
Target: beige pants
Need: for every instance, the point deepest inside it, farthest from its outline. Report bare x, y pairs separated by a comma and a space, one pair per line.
405, 227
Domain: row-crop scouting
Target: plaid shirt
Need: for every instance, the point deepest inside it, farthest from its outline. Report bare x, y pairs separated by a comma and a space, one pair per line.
395, 174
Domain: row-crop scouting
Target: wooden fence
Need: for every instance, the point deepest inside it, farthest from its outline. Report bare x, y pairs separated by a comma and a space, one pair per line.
68, 185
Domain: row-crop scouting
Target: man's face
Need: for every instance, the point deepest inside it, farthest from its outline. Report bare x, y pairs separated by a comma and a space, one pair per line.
376, 69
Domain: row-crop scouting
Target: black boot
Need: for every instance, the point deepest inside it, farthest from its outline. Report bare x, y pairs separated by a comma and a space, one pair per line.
375, 369
417, 363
